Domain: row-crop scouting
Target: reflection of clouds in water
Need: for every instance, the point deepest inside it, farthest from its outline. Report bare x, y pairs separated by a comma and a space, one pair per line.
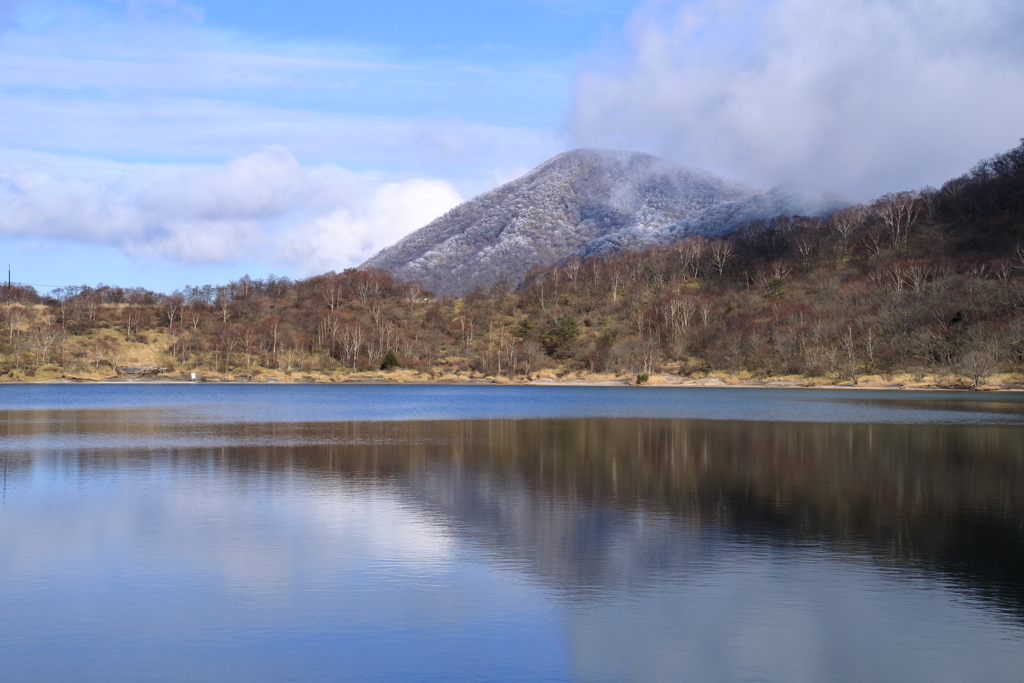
261, 540
166, 569
256, 535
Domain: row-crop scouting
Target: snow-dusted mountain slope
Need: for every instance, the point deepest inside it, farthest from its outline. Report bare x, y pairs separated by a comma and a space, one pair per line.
587, 201
721, 219
556, 210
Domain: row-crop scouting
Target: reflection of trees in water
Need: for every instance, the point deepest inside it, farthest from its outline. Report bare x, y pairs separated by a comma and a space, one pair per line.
597, 502
945, 498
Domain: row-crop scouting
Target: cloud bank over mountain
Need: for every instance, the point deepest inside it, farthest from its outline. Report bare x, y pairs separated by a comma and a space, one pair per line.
263, 206
856, 96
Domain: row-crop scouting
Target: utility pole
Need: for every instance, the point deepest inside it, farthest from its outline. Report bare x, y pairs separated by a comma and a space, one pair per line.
10, 329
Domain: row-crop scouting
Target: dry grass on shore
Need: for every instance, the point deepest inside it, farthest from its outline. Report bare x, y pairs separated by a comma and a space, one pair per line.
53, 373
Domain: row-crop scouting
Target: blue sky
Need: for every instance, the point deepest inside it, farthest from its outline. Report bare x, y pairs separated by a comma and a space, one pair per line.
170, 142
114, 108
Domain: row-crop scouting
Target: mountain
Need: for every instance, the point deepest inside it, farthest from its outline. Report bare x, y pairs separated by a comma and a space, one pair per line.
587, 201
554, 211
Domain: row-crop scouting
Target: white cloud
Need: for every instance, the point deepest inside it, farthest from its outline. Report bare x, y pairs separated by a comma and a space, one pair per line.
263, 206
353, 234
861, 96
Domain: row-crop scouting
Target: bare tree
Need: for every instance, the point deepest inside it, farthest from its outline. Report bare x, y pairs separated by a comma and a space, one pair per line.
331, 288
978, 364
646, 352
705, 307
249, 339
228, 341
223, 302
352, 338
572, 268
679, 312
721, 251
917, 274
172, 307
617, 273
46, 335
1003, 268
876, 238
107, 347
130, 316
414, 293
898, 212
805, 247
845, 222
511, 347
692, 253
532, 352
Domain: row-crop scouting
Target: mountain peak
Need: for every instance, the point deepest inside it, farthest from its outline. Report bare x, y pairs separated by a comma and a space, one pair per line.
553, 211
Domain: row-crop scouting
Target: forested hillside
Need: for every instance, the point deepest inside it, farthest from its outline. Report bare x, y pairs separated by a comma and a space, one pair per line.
928, 283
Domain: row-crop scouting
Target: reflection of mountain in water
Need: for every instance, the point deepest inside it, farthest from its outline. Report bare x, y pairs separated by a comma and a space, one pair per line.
592, 503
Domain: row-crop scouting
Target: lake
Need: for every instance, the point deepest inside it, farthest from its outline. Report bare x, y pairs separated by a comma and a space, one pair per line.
469, 533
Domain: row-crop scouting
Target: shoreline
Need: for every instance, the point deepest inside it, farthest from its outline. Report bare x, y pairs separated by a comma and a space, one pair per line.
873, 383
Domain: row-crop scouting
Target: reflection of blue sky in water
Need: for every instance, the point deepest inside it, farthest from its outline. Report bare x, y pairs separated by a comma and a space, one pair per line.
197, 405
189, 571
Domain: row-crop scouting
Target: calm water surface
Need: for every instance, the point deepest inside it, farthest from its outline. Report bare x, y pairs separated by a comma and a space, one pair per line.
442, 533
